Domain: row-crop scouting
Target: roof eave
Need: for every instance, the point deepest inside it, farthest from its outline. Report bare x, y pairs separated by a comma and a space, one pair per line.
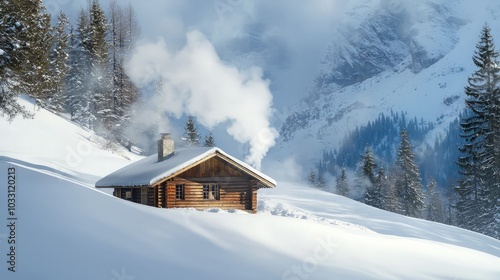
114, 187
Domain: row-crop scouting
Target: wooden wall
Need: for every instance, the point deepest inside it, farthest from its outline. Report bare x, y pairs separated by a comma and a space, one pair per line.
234, 194
136, 194
212, 168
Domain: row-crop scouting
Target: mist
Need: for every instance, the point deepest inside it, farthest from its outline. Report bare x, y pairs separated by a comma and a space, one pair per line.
195, 81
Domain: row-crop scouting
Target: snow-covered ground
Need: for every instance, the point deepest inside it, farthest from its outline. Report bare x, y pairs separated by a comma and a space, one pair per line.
66, 229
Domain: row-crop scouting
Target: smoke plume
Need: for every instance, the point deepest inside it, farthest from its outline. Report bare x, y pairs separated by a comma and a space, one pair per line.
195, 81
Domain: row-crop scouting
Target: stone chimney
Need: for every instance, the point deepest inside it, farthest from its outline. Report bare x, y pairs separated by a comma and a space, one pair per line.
165, 147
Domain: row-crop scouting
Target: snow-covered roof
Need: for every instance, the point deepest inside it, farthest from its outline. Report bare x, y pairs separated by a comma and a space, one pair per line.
148, 171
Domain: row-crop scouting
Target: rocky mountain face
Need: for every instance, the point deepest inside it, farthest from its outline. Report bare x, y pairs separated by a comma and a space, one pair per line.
377, 38
410, 56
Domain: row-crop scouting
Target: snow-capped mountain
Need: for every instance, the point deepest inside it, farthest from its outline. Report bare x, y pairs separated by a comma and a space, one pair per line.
404, 56
382, 36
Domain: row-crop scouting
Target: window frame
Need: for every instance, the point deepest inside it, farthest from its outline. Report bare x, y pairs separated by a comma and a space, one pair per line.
206, 192
180, 192
211, 192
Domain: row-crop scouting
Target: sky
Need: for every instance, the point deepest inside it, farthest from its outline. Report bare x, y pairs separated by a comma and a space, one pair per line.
285, 38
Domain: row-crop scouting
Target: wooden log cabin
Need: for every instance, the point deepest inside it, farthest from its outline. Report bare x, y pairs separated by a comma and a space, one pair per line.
201, 178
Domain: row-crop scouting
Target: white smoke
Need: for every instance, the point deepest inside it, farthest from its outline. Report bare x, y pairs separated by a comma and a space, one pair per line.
196, 82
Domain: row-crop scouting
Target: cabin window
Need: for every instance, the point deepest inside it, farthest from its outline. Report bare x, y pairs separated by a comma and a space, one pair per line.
144, 196
179, 192
211, 192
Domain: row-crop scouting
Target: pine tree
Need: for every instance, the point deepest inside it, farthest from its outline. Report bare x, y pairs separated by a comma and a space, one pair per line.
342, 187
209, 140
369, 165
78, 79
24, 47
37, 40
59, 67
311, 179
479, 188
449, 206
434, 211
321, 183
100, 79
374, 194
408, 182
391, 200
124, 30
191, 137
10, 59
365, 177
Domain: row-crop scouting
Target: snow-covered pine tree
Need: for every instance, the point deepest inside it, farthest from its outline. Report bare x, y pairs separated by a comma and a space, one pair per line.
102, 101
124, 30
209, 140
131, 33
449, 206
36, 41
391, 200
311, 178
408, 183
115, 30
374, 194
479, 188
79, 91
321, 183
59, 67
342, 186
10, 60
191, 136
434, 210
366, 176
24, 48
369, 165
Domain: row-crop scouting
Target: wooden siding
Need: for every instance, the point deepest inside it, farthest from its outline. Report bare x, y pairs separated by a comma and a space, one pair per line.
136, 195
213, 167
233, 195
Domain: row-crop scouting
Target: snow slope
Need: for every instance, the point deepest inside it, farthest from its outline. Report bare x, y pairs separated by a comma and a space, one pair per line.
53, 143
66, 229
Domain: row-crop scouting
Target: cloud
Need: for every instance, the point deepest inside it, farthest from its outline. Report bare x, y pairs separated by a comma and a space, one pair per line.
195, 81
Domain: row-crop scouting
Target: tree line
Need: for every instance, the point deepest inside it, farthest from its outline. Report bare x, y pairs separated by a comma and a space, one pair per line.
397, 189
76, 70
468, 158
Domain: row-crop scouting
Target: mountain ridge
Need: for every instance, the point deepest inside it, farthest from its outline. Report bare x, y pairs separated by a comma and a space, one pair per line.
433, 92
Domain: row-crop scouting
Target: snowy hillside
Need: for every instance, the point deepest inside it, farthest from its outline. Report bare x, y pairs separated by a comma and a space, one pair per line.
410, 56
66, 229
55, 144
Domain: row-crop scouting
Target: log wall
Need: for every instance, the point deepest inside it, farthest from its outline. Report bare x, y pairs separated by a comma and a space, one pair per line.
233, 194
136, 194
